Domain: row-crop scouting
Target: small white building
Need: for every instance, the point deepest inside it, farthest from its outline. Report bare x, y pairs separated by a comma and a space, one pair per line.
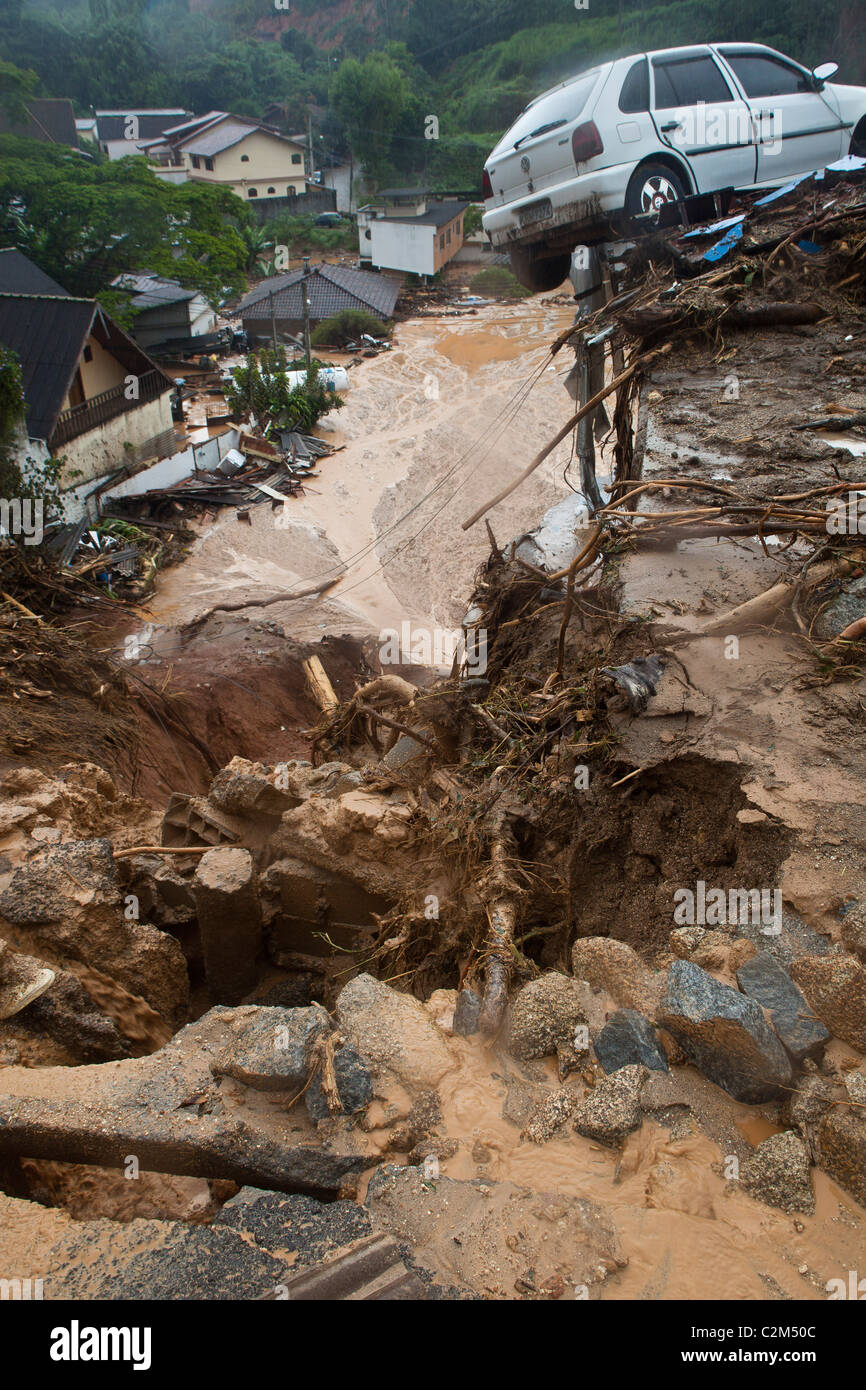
164, 310
407, 230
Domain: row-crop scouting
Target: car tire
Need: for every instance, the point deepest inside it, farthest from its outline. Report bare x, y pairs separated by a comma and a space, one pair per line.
538, 274
650, 187
858, 141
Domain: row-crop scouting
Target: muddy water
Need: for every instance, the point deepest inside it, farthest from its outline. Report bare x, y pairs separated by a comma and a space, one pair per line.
686, 1231
436, 409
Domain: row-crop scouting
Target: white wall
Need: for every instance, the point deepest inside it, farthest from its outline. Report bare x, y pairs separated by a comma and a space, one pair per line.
402, 246
100, 450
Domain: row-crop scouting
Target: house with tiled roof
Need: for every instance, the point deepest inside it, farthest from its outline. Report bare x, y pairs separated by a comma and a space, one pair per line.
238, 152
278, 303
93, 397
164, 310
124, 131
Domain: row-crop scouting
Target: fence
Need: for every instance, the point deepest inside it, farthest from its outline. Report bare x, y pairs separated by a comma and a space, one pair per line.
106, 406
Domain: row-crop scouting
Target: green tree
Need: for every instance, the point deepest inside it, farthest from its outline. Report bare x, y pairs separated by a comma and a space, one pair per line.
369, 99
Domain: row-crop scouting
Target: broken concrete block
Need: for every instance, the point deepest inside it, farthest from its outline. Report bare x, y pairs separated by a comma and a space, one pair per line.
354, 1086
171, 1112
778, 1174
550, 1116
252, 789
835, 987
272, 1048
542, 1014
764, 980
724, 1033
69, 1016
393, 1032
612, 1109
467, 1013
613, 966
230, 922
60, 883
627, 1039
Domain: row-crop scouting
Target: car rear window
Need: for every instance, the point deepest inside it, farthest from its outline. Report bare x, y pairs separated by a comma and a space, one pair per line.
563, 104
686, 81
635, 94
763, 76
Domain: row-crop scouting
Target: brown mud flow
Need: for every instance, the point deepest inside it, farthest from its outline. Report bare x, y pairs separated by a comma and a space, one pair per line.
539, 981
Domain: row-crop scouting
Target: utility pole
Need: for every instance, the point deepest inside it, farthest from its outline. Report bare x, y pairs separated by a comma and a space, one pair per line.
308, 350
311, 169
273, 321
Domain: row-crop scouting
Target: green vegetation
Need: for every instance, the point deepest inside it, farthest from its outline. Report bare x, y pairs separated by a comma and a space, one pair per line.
84, 222
262, 388
347, 327
498, 282
301, 236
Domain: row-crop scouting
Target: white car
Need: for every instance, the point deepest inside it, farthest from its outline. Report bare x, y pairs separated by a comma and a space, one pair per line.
626, 137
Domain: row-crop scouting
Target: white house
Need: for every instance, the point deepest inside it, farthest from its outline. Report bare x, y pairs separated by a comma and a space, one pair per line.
409, 231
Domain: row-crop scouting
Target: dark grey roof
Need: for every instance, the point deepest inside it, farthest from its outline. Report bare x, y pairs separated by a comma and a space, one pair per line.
221, 137
151, 290
18, 275
332, 289
50, 119
404, 193
47, 333
437, 215
111, 125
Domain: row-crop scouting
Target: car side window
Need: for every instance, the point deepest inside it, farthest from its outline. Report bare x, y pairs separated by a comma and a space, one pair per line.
686, 81
767, 77
635, 93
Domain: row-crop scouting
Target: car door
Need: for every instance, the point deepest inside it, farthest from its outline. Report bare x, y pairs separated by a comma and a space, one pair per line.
698, 113
799, 128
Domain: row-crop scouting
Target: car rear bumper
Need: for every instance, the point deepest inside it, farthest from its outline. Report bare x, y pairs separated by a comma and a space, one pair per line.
581, 204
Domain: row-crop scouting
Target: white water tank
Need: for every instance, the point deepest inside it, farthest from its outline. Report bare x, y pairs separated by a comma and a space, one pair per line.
335, 378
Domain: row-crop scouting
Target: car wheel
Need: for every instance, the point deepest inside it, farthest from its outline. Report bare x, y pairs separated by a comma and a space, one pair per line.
858, 141
650, 187
538, 275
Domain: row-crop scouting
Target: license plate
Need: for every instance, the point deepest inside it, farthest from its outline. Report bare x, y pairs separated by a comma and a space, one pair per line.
535, 212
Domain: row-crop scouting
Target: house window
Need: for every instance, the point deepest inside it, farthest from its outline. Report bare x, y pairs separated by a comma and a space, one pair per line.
442, 242
196, 162
208, 164
272, 190
88, 354
448, 236
252, 193
245, 159
296, 159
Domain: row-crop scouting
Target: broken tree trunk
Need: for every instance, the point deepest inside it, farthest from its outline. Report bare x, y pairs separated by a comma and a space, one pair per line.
320, 687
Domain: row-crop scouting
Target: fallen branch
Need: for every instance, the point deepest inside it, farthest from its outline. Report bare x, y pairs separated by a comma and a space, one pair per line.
287, 596
501, 915
393, 724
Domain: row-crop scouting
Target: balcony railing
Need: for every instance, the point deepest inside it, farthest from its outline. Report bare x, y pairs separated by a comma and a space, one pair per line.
106, 406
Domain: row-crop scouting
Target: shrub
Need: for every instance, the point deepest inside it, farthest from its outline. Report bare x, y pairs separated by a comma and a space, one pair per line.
496, 280
347, 327
262, 389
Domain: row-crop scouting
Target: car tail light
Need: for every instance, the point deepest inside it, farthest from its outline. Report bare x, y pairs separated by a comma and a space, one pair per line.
486, 186
586, 143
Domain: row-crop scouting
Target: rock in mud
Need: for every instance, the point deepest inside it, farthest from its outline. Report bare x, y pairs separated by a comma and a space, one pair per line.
835, 987
841, 611
612, 1110
544, 1013
393, 1032
794, 940
354, 1086
841, 1148
272, 1048
69, 1016
854, 930
613, 966
60, 883
778, 1174
627, 1039
252, 789
290, 1224
764, 980
550, 1116
724, 1034
467, 1013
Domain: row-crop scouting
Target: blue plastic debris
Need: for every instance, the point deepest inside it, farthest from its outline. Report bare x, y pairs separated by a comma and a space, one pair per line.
848, 165
727, 243
716, 227
810, 247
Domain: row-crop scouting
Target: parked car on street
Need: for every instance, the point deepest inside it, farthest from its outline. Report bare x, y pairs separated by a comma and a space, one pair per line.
619, 141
